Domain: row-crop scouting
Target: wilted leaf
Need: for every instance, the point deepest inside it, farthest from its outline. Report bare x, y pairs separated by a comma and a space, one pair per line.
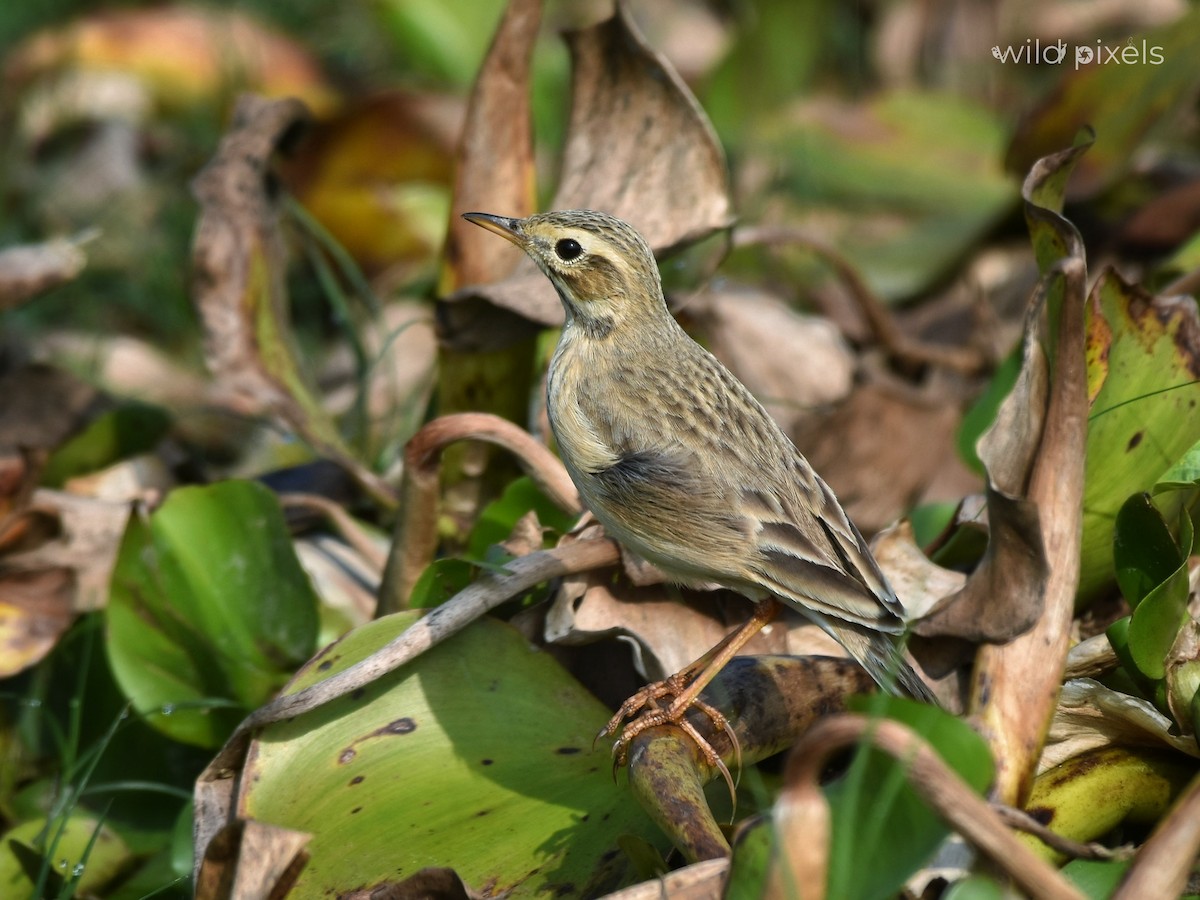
638, 147
476, 756
32, 269
210, 611
879, 481
36, 608
240, 264
1014, 684
1091, 715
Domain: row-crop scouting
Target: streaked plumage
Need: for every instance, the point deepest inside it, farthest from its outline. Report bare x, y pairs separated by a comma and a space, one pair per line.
679, 461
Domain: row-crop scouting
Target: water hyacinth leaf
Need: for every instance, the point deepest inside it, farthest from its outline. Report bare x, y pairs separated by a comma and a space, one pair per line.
1144, 552
476, 756
126, 431
209, 608
1145, 415
1160, 615
85, 852
877, 814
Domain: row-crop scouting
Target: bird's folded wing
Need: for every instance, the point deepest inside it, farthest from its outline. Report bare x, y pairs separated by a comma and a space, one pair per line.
815, 557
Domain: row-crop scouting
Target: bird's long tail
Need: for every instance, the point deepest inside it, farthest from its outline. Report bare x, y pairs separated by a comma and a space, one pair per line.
883, 656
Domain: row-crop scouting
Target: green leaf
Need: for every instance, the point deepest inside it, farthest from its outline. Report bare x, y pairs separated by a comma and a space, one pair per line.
210, 611
84, 846
1143, 419
1096, 878
1158, 618
126, 431
976, 887
1144, 552
982, 414
1184, 475
441, 580
906, 205
477, 756
496, 521
878, 816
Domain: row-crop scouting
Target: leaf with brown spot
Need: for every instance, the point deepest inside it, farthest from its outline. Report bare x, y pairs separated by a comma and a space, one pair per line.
1145, 411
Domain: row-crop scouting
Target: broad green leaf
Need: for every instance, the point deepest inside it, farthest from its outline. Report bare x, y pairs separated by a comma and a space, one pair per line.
477, 756
497, 519
123, 432
1144, 552
1160, 615
878, 816
1096, 878
1143, 417
210, 611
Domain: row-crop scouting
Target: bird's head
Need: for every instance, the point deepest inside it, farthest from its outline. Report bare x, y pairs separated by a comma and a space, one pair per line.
603, 270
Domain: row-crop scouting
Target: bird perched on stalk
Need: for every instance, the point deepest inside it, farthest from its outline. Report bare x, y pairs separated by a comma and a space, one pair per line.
685, 468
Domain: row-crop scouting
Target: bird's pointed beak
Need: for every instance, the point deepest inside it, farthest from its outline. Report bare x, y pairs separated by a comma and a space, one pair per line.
502, 225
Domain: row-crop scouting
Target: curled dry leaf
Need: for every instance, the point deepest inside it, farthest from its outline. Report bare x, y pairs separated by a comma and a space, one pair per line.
239, 263
918, 582
1016, 684
666, 626
1091, 716
251, 859
56, 557
638, 147
1001, 598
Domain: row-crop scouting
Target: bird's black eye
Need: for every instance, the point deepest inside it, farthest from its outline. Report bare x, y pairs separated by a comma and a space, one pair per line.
568, 249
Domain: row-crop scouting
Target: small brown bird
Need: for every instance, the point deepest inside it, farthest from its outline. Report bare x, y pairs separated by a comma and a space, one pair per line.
685, 468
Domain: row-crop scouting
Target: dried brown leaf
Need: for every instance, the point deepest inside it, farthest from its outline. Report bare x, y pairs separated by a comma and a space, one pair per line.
638, 147
877, 481
239, 264
32, 269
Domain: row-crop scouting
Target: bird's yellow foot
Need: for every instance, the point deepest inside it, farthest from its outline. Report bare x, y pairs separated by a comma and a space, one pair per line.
667, 702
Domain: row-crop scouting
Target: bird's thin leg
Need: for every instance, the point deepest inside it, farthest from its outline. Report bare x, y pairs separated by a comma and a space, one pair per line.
685, 686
